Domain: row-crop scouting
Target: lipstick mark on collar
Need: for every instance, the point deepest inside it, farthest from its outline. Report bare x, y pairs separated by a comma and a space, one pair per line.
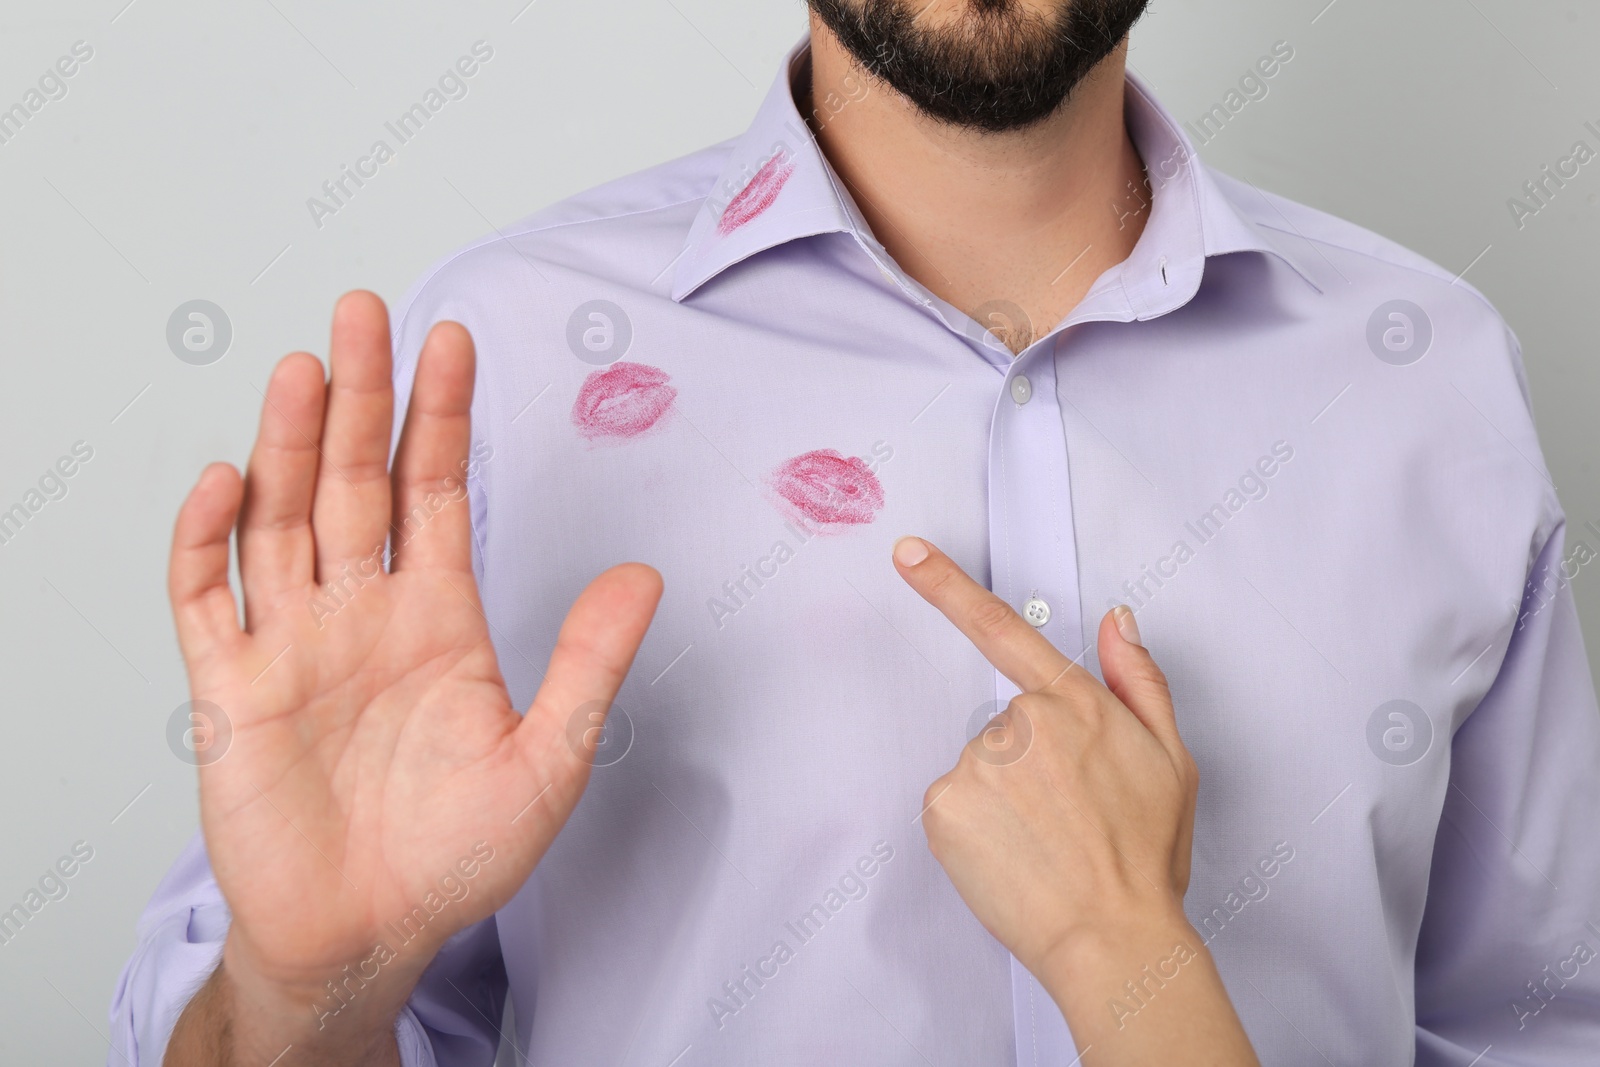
758, 195
622, 401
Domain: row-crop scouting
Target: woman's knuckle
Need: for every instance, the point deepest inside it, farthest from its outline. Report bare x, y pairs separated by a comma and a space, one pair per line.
992, 616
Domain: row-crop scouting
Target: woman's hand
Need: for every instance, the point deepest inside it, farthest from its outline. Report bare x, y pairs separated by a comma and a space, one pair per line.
1067, 826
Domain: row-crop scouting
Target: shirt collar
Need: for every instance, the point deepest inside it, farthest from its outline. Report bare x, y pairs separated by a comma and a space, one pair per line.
776, 186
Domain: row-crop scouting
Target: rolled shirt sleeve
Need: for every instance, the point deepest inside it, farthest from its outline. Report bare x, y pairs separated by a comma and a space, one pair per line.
1508, 959
451, 1020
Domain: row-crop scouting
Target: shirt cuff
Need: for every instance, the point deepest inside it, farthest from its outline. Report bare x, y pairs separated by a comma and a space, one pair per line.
415, 1048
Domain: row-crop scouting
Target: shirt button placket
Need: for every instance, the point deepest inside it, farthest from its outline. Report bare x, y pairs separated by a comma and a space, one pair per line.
1034, 567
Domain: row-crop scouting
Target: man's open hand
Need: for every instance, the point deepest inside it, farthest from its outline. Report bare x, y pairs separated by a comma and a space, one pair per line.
374, 747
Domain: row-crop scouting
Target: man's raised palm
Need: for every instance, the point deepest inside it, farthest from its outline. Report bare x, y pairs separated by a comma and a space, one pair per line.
373, 742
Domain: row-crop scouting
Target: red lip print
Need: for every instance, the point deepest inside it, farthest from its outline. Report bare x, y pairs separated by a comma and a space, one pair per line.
624, 400
757, 196
829, 489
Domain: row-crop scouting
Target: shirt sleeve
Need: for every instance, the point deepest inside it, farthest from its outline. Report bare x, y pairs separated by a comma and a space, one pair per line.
1508, 959
451, 1020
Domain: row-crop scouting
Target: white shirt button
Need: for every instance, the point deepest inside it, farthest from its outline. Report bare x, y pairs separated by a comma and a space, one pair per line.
1036, 611
1021, 389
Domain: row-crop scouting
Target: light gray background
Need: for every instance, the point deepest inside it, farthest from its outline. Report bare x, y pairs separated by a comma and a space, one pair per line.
178, 166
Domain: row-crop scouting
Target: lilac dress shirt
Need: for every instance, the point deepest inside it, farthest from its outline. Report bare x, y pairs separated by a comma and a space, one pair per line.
1302, 453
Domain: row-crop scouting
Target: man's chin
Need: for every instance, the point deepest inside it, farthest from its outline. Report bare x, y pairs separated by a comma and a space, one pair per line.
999, 66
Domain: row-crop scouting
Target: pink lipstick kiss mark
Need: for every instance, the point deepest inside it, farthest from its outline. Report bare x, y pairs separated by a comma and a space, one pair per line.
624, 400
756, 197
828, 489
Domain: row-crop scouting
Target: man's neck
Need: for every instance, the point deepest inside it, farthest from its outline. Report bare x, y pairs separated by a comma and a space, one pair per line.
987, 221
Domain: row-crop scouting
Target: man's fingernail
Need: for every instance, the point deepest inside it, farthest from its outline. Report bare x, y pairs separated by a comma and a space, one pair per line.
1127, 625
910, 551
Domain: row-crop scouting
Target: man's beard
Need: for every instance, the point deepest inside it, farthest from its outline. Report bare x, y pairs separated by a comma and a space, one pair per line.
999, 67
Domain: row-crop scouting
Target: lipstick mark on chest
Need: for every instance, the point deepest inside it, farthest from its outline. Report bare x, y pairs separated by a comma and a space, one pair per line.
757, 196
826, 490
622, 401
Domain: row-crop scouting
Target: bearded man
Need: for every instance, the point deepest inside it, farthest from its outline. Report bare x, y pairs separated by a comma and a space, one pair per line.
960, 319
